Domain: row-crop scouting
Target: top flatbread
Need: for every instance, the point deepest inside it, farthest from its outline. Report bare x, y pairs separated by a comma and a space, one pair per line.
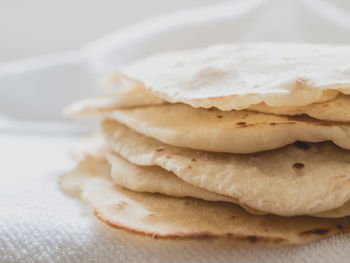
239, 75
337, 109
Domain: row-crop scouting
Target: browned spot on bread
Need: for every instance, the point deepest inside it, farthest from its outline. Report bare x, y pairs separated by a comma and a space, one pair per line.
241, 123
273, 123
339, 176
189, 167
193, 160
219, 116
302, 145
316, 231
233, 217
160, 150
120, 204
298, 165
60, 179
340, 226
252, 239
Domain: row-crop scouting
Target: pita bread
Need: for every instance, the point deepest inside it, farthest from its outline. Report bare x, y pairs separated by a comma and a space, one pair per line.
298, 179
236, 76
168, 217
230, 131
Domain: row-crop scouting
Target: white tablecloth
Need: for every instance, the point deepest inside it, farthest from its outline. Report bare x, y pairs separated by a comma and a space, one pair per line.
39, 223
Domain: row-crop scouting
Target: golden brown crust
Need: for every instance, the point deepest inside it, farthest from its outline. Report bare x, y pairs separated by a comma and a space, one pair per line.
194, 235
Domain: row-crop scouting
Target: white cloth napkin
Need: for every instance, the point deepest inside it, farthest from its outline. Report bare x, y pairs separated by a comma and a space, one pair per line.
38, 223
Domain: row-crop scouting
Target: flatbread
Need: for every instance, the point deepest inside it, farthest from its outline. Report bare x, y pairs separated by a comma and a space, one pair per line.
236, 76
298, 179
154, 179
168, 217
230, 131
120, 98
91, 144
337, 110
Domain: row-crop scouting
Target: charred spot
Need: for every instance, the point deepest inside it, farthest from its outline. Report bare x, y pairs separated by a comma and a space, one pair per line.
160, 150
254, 155
316, 231
298, 165
302, 145
340, 227
241, 123
193, 160
273, 123
219, 116
252, 239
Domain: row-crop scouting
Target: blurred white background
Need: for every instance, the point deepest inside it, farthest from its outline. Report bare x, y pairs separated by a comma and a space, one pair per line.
36, 27
33, 93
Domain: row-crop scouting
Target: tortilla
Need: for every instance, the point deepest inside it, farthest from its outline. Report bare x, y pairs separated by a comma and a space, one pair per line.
299, 179
154, 179
91, 144
230, 131
119, 99
337, 110
236, 76
169, 217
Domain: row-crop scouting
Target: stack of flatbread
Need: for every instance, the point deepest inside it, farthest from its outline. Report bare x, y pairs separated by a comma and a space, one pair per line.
242, 141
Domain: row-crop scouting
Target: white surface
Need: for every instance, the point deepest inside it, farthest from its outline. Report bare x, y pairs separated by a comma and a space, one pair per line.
38, 27
40, 224
37, 222
26, 157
